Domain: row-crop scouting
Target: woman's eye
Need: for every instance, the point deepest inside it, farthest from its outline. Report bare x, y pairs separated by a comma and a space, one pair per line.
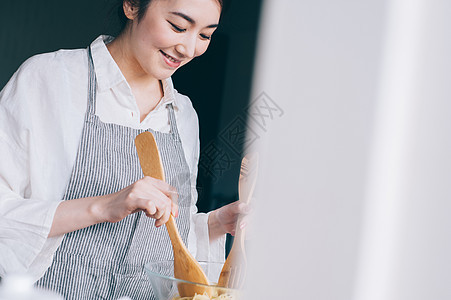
205, 37
176, 28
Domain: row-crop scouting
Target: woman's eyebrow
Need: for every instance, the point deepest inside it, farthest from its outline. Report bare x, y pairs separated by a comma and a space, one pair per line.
190, 20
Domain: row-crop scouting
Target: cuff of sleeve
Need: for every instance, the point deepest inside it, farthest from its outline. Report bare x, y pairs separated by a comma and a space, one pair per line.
213, 251
29, 250
44, 258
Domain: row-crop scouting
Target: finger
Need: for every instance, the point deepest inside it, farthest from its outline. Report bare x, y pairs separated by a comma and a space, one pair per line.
174, 195
161, 185
170, 192
164, 212
174, 209
164, 206
234, 208
164, 218
160, 211
150, 208
244, 208
242, 225
243, 221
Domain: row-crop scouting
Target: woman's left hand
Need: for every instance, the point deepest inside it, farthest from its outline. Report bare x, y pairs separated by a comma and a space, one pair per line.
224, 219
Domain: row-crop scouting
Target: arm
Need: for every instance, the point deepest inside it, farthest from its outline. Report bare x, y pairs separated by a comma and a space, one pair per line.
150, 195
25, 219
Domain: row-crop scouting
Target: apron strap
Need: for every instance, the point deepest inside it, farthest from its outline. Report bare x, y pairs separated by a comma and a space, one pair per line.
92, 83
172, 122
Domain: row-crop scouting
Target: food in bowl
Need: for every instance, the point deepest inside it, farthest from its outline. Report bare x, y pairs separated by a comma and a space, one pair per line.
206, 297
166, 287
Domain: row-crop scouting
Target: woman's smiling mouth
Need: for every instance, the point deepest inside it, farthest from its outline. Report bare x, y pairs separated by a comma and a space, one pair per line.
170, 61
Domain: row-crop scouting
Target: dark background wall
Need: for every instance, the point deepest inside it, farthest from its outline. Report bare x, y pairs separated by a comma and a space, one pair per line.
218, 83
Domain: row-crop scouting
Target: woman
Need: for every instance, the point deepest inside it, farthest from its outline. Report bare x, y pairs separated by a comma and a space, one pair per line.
68, 120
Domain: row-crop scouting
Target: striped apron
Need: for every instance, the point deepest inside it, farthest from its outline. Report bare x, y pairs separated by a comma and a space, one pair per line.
105, 261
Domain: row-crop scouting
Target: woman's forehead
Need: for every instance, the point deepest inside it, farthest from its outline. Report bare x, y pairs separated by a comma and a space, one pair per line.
201, 11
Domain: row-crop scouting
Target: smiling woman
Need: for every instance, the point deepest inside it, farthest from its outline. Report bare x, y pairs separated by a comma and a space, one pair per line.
84, 219
154, 44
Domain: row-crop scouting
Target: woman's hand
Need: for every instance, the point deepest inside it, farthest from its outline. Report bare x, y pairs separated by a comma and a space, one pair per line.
224, 219
154, 197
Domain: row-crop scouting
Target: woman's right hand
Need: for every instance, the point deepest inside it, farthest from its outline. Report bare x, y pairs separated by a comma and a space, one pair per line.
154, 197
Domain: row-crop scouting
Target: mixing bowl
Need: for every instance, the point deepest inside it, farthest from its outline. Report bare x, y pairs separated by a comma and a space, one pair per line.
164, 285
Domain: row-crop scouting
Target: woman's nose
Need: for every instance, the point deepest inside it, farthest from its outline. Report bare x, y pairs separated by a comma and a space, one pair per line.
187, 47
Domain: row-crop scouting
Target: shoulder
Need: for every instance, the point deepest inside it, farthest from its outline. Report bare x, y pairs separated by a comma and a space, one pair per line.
50, 65
42, 71
185, 107
42, 81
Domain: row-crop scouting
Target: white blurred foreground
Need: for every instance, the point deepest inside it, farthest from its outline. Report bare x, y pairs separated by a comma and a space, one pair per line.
354, 195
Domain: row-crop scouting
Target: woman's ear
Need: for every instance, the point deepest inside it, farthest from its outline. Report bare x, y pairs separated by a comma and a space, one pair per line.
130, 10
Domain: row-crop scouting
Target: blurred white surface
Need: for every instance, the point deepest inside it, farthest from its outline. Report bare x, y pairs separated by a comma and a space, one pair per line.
20, 287
406, 245
353, 197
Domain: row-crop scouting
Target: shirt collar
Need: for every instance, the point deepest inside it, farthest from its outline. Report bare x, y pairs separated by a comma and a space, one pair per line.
109, 76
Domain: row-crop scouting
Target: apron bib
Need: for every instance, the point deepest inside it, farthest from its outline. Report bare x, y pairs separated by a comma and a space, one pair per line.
106, 260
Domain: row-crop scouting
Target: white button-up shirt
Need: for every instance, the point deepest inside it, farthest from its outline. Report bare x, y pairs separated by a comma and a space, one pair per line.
42, 109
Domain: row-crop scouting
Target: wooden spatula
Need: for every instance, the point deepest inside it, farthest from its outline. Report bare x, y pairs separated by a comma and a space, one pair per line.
185, 265
234, 270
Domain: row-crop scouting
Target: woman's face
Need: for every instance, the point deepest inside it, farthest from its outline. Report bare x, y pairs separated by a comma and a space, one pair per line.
172, 33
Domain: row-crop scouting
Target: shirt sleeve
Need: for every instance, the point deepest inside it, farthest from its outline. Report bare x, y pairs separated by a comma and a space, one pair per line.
199, 242
25, 220
207, 250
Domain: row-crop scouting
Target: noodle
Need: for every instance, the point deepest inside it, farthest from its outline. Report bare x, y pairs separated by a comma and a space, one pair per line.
206, 297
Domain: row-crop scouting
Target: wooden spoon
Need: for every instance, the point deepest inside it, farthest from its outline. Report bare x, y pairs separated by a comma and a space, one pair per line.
185, 265
234, 269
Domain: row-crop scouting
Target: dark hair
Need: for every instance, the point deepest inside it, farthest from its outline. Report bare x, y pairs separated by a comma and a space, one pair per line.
142, 8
